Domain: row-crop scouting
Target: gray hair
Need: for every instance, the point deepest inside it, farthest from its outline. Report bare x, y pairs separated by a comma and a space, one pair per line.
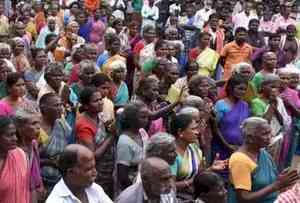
237, 68
189, 110
5, 46
153, 147
86, 64
250, 125
193, 101
53, 67
23, 115
269, 78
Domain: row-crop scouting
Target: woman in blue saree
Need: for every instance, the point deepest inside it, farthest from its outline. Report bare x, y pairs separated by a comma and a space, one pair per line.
253, 174
231, 112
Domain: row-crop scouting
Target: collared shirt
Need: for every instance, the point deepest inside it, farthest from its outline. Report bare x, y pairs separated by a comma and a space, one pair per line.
234, 54
282, 22
62, 194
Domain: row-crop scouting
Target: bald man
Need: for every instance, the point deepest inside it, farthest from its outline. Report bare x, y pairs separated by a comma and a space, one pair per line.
77, 164
157, 184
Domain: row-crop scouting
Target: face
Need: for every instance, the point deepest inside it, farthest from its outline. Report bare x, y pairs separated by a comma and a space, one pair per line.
203, 88
162, 51
239, 90
241, 36
288, 10
253, 26
119, 74
54, 79
169, 152
133, 30
51, 25
104, 89
115, 46
74, 9
213, 23
150, 36
31, 128
270, 60
190, 134
152, 92
189, 11
248, 7
271, 90
96, 103
284, 80
205, 40
20, 29
143, 117
92, 53
3, 71
19, 48
173, 74
247, 73
5, 54
192, 70
274, 42
55, 108
267, 15
263, 136
8, 138
85, 172
87, 75
18, 89
294, 81
74, 28
119, 27
41, 59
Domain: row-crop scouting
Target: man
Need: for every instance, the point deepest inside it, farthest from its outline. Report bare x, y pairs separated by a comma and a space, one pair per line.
157, 185
269, 64
290, 196
242, 19
77, 164
202, 15
284, 19
273, 46
236, 52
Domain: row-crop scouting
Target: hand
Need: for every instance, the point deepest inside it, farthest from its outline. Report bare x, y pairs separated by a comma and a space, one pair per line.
286, 179
179, 98
219, 165
110, 126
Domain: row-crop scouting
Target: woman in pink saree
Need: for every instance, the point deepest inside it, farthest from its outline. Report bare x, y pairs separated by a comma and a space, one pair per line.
14, 174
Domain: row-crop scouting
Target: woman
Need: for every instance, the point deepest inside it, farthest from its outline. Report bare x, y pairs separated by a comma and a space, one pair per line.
55, 134
271, 107
231, 112
15, 99
189, 158
19, 58
97, 31
86, 72
118, 77
28, 130
113, 54
168, 79
205, 57
253, 174
14, 169
133, 120
98, 136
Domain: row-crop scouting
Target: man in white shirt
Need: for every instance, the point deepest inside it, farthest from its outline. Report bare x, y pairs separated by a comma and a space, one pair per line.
203, 14
242, 19
77, 164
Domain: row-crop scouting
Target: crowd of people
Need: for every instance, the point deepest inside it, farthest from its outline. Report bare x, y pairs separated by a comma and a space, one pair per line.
149, 101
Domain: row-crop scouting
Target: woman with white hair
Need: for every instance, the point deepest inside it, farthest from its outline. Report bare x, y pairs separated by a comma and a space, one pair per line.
118, 76
253, 174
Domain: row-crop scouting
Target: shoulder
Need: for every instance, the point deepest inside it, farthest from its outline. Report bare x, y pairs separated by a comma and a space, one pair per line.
98, 193
241, 158
129, 194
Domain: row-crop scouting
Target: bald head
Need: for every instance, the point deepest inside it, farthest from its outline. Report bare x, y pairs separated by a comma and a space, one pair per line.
153, 166
72, 155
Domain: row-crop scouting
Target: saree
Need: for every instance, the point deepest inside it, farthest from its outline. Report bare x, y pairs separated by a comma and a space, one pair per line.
122, 95
14, 178
230, 119
276, 148
263, 175
207, 62
186, 167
